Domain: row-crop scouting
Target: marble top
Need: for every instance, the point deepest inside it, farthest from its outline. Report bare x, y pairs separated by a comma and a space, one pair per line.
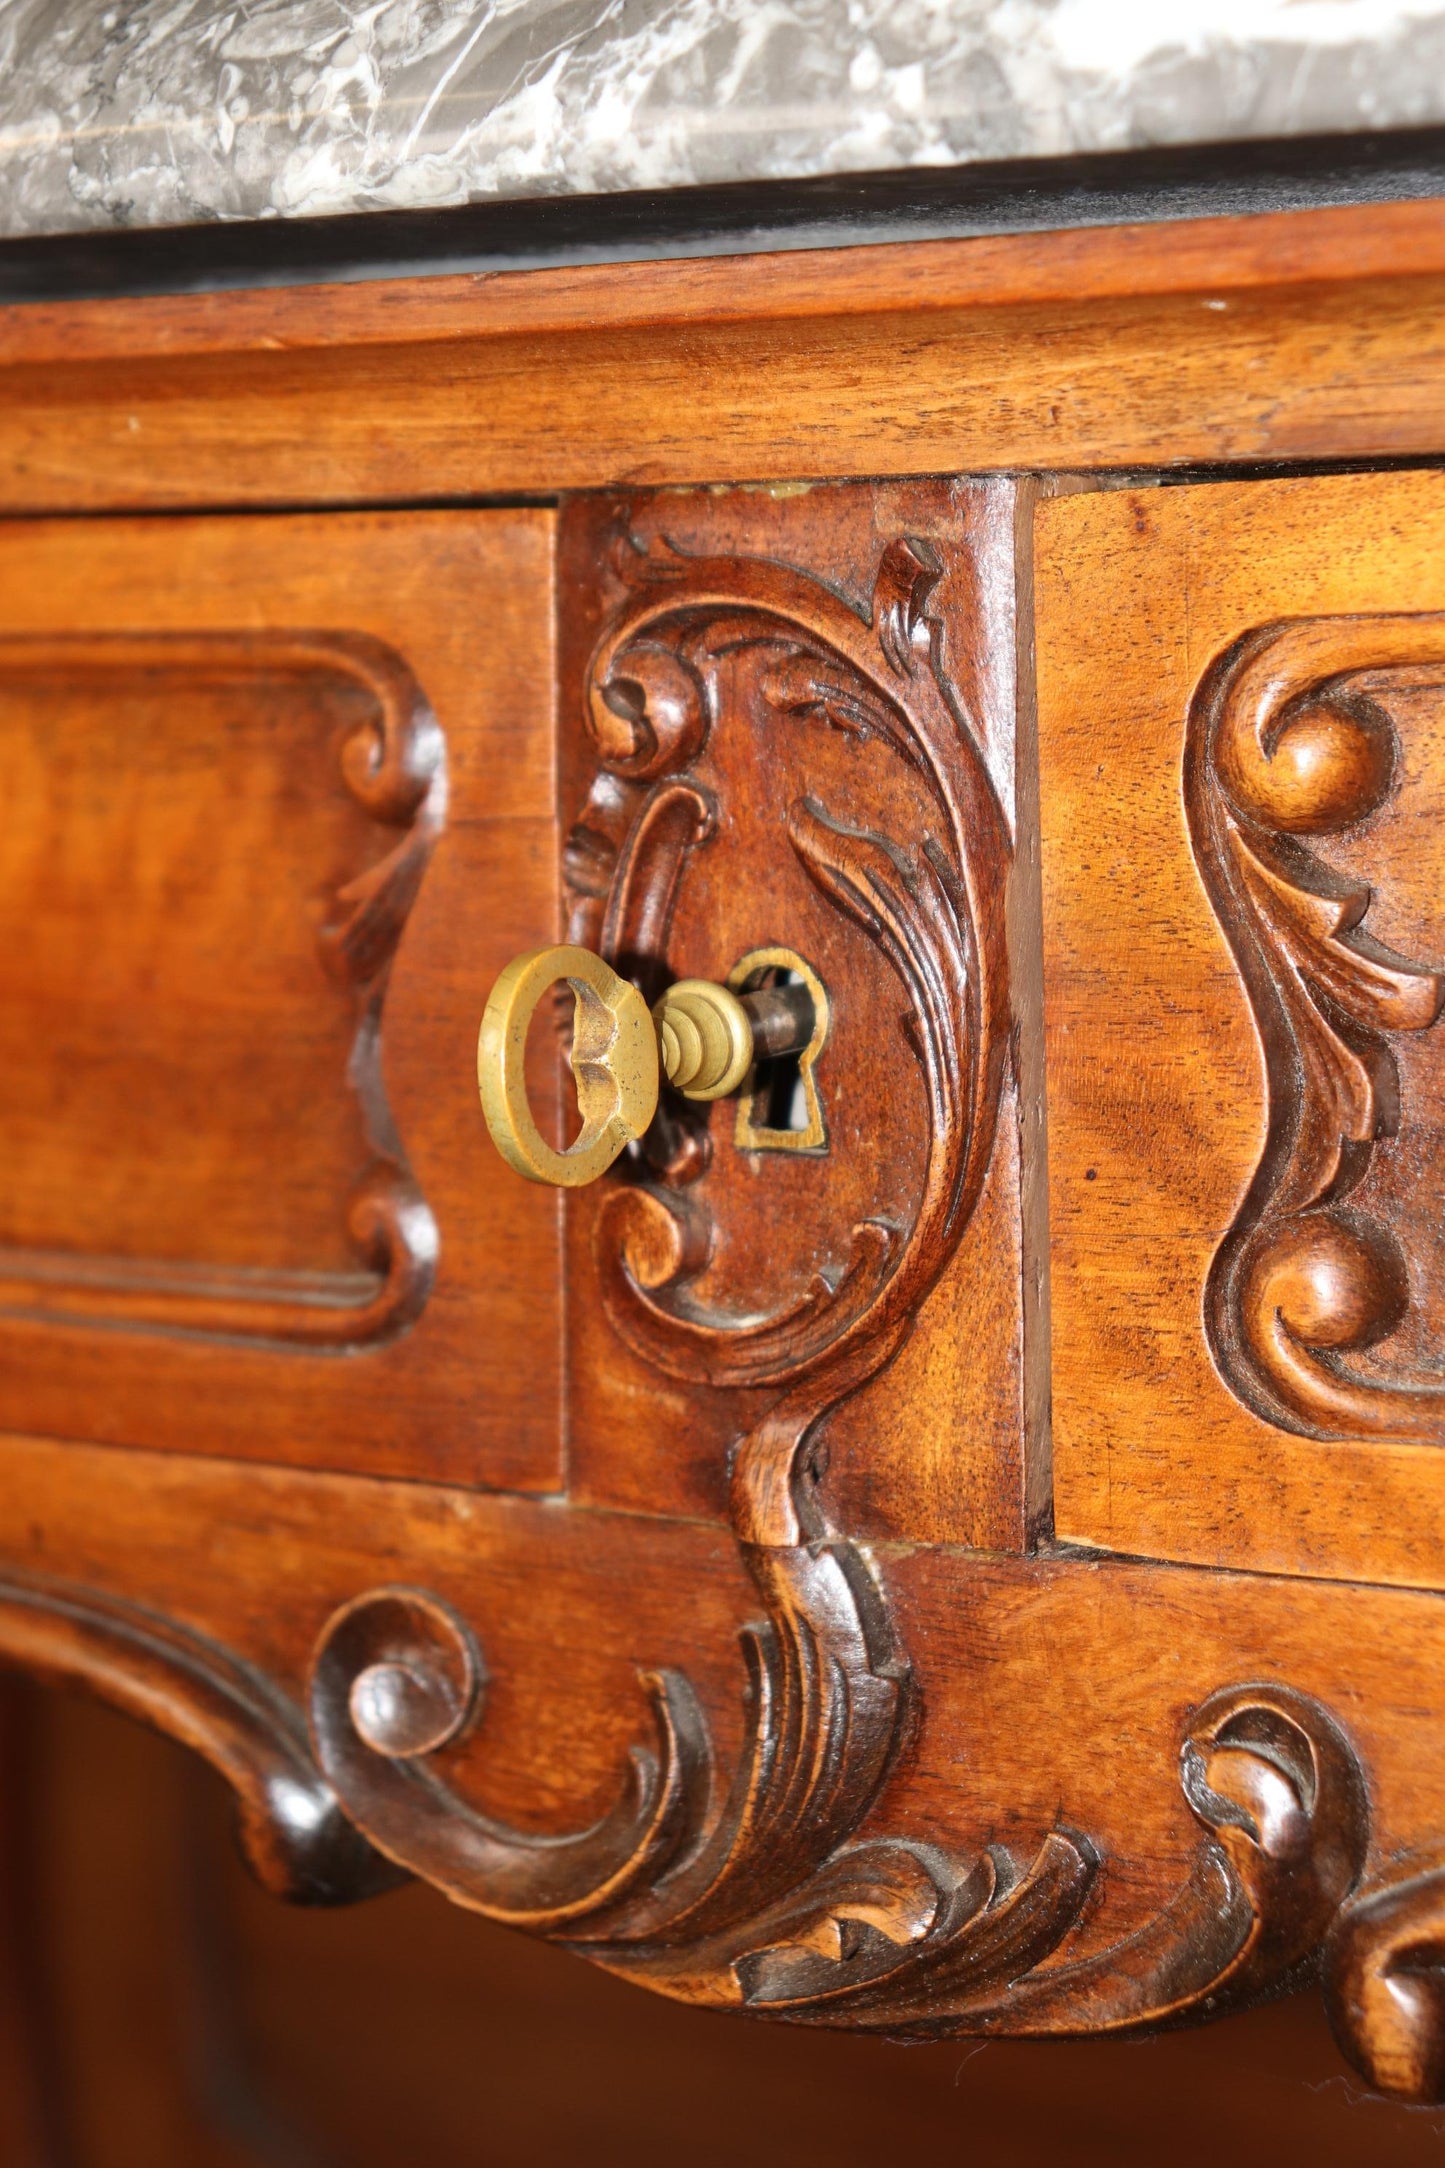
158, 112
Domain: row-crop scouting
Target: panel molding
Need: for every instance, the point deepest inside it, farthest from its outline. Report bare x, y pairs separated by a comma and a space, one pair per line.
1283, 746
393, 765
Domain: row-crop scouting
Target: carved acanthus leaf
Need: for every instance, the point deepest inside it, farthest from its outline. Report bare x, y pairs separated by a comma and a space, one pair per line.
772, 1891
1282, 747
1341, 990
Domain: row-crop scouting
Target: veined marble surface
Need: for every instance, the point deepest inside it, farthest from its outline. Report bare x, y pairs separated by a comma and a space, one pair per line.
156, 112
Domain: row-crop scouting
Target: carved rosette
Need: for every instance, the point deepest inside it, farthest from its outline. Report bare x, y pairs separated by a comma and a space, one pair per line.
1284, 744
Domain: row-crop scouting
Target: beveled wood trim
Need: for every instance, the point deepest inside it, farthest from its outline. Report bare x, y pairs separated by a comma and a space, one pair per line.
1302, 335
1222, 255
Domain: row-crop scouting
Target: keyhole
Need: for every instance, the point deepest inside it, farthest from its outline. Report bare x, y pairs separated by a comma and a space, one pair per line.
780, 1109
779, 1091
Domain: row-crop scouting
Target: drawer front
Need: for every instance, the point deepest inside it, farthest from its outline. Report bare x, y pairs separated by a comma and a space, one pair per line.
281, 801
1242, 733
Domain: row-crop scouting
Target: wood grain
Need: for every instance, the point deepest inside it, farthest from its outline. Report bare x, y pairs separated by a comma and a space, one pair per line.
1273, 249
192, 1012
1160, 1092
931, 1446
950, 1787
1306, 335
1110, 1660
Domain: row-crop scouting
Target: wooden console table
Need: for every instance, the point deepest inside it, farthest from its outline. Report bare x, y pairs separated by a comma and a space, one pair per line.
948, 1535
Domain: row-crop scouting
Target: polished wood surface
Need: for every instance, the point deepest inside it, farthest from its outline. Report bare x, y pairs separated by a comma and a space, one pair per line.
799, 761
1306, 335
278, 813
1056, 1695
1079, 263
834, 1675
1244, 1082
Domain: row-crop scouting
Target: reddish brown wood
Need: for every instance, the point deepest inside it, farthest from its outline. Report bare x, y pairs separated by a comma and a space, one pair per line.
838, 776
773, 1708
1181, 1911
1296, 738
1083, 263
1313, 334
297, 1843
278, 813
208, 767
1242, 929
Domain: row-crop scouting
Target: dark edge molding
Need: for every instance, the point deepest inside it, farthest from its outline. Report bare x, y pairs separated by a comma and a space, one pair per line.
733, 218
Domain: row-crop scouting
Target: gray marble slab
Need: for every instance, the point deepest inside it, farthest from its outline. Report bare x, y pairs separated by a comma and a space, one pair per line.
157, 112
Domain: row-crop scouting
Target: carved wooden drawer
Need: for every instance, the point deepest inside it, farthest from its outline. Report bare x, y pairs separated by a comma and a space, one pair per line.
945, 1536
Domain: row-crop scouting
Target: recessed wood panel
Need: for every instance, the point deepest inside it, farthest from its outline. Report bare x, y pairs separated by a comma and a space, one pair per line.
275, 817
1242, 709
178, 1108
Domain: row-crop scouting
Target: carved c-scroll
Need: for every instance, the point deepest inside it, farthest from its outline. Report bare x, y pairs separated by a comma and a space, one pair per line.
393, 763
772, 1892
768, 1899
933, 907
295, 1837
1284, 744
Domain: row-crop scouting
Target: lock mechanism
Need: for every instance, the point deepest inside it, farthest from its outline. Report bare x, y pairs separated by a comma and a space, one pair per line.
700, 1038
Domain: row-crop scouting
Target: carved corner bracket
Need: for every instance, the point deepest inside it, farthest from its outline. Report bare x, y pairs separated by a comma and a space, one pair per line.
1285, 744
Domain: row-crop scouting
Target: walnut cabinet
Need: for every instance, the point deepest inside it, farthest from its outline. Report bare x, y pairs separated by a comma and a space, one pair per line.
949, 1536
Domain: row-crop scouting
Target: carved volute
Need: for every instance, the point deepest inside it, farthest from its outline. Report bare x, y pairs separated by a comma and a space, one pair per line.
762, 1568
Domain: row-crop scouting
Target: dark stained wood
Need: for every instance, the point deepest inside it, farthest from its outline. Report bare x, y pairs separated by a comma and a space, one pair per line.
279, 811
1242, 926
31, 2116
1312, 334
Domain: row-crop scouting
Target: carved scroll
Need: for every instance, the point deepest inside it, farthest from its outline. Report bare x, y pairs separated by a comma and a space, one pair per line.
932, 906
772, 1890
392, 764
768, 1899
1284, 744
295, 1838
1385, 1984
